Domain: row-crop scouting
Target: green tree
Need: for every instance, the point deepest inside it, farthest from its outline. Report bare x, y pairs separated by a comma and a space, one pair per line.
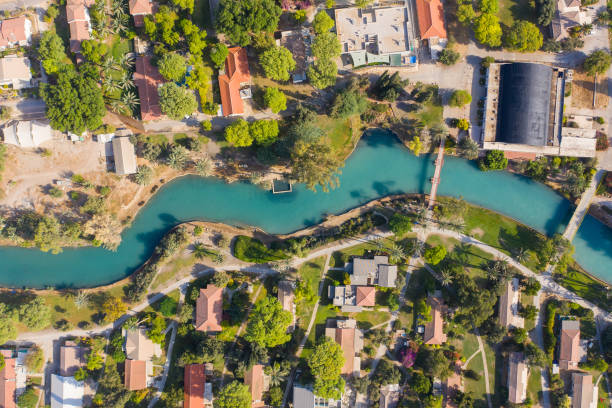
488, 6
268, 323
162, 26
322, 22
143, 175
322, 74
74, 103
466, 13
435, 255
315, 164
8, 330
524, 36
389, 87
29, 399
52, 52
177, 157
326, 46
460, 98
172, 66
218, 54
233, 395
348, 102
598, 62
545, 11
493, 160
277, 63
237, 134
488, 30
184, 4
325, 364
275, 99
448, 56
176, 101
400, 224
35, 314
420, 384
94, 51
35, 359
264, 132
239, 19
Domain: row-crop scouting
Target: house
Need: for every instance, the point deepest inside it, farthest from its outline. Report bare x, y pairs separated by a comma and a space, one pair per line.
584, 394
77, 16
453, 385
569, 350
15, 31
8, 380
376, 35
352, 298
27, 133
234, 82
139, 351
567, 16
125, 156
286, 298
139, 9
198, 392
430, 14
303, 397
389, 396
147, 79
434, 329
66, 392
517, 378
299, 43
350, 339
376, 271
509, 306
72, 357
255, 379
15, 72
209, 309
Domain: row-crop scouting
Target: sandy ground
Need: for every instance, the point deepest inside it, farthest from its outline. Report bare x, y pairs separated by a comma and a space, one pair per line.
582, 91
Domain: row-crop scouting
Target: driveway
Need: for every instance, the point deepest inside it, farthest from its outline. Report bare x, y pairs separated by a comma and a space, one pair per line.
27, 109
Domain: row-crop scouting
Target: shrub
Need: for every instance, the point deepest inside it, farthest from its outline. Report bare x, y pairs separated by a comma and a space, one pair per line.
253, 250
460, 98
55, 192
602, 141
168, 307
493, 160
449, 57
400, 224
435, 255
600, 120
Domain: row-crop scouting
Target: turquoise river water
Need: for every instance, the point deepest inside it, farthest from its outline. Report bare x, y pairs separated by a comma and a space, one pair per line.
379, 166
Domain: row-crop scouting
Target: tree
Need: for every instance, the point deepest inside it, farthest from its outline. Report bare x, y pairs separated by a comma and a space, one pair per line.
74, 102
218, 54
435, 255
239, 19
94, 51
325, 364
545, 11
448, 56
488, 6
315, 164
277, 62
28, 399
487, 30
348, 103
105, 229
8, 331
463, 124
35, 359
237, 134
177, 157
268, 323
322, 22
162, 26
433, 362
400, 224
524, 36
275, 99
460, 98
264, 132
176, 101
468, 148
322, 73
184, 4
466, 13
143, 175
233, 395
81, 299
52, 52
35, 314
172, 66
326, 46
597, 63
535, 355
420, 384
415, 145
389, 87
493, 160
113, 308
277, 373
204, 167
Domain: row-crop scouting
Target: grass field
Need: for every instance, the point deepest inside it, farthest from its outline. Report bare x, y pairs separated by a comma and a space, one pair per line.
357, 250
120, 47
512, 10
534, 384
343, 134
585, 286
476, 387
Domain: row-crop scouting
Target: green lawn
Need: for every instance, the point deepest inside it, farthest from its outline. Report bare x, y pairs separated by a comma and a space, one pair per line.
512, 10
431, 114
585, 286
357, 250
369, 318
120, 47
527, 300
343, 134
175, 294
470, 345
318, 330
534, 384
476, 388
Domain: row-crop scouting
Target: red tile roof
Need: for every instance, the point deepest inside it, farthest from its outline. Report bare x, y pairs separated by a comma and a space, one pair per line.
434, 329
12, 31
431, 18
147, 78
7, 381
254, 378
75, 11
79, 31
195, 379
209, 309
140, 8
236, 73
346, 339
135, 375
366, 296
569, 351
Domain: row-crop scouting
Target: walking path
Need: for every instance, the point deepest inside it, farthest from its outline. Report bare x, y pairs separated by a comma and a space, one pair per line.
435, 181
538, 338
470, 359
485, 367
583, 205
162, 383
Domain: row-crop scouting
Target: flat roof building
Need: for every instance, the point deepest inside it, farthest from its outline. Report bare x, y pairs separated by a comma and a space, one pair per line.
517, 378
509, 306
15, 72
72, 357
27, 133
376, 271
66, 392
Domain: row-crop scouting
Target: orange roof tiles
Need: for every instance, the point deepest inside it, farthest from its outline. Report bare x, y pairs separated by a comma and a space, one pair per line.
79, 31
195, 380
366, 296
8, 380
12, 31
569, 351
140, 8
209, 309
434, 329
254, 378
135, 375
147, 78
431, 19
236, 73
345, 337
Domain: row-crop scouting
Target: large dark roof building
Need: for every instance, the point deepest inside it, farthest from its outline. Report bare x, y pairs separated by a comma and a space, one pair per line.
524, 108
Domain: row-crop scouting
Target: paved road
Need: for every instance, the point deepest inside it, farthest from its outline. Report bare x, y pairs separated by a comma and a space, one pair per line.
583, 206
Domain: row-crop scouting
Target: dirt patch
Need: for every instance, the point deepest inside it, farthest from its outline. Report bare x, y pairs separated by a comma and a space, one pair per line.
582, 91
477, 232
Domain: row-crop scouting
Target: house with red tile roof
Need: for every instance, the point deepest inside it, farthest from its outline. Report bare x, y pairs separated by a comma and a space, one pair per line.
255, 379
569, 349
147, 79
135, 375
365, 296
434, 329
8, 380
140, 351
352, 298
209, 309
430, 14
350, 339
195, 384
15, 31
139, 9
234, 82
79, 22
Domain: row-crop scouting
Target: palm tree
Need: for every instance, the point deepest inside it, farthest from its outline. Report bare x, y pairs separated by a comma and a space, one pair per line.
219, 258
447, 277
199, 250
130, 100
204, 167
438, 134
417, 248
117, 106
109, 85
276, 373
81, 299
110, 64
127, 61
380, 245
126, 82
396, 252
521, 255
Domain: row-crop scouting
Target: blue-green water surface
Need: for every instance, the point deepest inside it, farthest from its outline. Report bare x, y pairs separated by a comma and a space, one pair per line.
379, 166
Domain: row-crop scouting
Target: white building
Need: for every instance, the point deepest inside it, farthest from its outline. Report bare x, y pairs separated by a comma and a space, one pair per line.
27, 133
15, 72
66, 392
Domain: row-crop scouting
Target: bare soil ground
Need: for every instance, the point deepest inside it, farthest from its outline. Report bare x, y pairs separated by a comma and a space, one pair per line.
582, 91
